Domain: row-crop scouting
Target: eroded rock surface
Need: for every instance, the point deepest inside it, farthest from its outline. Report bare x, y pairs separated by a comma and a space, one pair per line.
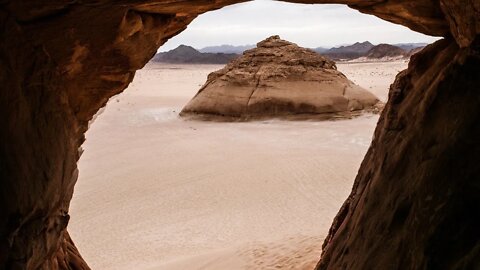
279, 79
416, 198
60, 61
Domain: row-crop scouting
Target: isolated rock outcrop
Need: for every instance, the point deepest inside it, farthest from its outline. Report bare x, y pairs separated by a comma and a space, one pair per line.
279, 79
60, 62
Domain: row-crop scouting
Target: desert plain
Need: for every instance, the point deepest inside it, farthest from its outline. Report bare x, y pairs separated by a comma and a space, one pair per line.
159, 192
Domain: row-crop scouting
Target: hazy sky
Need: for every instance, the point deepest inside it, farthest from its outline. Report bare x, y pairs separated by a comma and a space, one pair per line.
306, 25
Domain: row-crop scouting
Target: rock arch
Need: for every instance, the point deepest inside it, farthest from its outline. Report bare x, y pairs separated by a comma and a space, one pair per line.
415, 203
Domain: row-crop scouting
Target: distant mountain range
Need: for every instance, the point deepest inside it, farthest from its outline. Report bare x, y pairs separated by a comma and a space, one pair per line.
385, 50
225, 53
353, 51
188, 55
370, 51
410, 46
359, 47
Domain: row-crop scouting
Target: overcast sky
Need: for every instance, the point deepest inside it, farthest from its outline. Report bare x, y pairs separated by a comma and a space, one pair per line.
306, 25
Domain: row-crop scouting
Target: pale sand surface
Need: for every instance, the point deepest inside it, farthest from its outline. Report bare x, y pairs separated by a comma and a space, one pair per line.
375, 77
157, 192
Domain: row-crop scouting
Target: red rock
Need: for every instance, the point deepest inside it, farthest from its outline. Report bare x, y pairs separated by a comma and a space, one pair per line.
416, 199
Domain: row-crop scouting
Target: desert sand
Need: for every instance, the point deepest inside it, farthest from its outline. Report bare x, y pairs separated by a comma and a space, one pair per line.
159, 192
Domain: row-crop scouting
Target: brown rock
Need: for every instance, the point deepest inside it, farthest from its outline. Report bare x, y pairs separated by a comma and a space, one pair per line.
279, 79
416, 196
414, 51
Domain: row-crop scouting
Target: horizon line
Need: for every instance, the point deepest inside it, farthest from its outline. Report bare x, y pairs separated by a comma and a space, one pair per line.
317, 47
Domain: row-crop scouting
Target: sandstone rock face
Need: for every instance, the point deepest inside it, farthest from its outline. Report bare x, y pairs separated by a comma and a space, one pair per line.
415, 201
279, 79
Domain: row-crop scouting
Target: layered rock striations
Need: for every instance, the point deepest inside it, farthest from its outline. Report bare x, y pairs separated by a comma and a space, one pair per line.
415, 201
279, 79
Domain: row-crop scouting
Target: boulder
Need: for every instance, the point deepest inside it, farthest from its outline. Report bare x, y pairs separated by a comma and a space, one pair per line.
279, 79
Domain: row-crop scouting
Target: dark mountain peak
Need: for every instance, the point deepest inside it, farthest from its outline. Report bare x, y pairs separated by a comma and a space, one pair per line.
356, 47
355, 50
361, 46
385, 50
364, 43
184, 48
184, 54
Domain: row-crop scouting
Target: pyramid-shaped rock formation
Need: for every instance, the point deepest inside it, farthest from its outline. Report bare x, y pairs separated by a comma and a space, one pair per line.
279, 79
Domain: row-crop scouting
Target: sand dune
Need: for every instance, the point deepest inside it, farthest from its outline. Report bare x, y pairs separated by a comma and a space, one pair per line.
158, 192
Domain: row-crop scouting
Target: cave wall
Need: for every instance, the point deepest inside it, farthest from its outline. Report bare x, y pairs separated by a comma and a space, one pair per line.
416, 199
61, 61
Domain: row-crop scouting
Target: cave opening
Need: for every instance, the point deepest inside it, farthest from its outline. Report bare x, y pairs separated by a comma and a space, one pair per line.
417, 183
156, 190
